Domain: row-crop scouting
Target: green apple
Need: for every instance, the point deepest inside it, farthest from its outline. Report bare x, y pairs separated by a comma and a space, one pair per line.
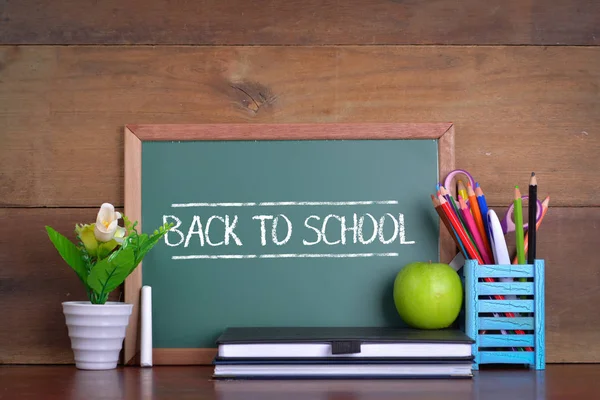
428, 295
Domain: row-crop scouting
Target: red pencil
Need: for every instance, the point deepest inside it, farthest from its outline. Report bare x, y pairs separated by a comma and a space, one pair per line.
459, 230
444, 219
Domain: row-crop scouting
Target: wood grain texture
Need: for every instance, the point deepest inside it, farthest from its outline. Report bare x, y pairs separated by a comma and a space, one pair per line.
34, 280
568, 242
447, 163
183, 356
305, 131
158, 383
514, 109
309, 22
133, 211
182, 383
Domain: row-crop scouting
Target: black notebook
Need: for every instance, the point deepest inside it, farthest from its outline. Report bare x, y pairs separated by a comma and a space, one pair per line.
342, 342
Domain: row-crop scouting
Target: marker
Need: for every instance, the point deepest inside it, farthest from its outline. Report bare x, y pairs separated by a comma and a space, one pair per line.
497, 240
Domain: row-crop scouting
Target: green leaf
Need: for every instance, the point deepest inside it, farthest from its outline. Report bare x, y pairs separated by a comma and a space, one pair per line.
110, 272
129, 226
105, 248
147, 245
142, 238
69, 252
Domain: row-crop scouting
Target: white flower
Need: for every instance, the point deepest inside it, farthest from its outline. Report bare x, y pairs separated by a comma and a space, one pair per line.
119, 235
106, 227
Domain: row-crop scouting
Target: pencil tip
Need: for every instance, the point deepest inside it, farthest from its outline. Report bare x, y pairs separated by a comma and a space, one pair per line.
533, 174
476, 184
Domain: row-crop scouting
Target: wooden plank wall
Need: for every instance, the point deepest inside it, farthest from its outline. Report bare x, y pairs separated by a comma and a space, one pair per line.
519, 78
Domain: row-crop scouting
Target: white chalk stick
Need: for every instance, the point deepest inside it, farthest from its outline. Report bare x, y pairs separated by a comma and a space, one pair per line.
146, 330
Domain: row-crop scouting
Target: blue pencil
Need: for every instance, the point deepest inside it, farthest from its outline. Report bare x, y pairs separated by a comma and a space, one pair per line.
483, 208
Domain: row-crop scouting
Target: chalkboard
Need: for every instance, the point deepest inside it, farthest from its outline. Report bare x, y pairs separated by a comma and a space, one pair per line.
286, 225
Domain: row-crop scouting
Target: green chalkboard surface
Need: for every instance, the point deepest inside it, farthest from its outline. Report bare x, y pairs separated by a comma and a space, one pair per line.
283, 225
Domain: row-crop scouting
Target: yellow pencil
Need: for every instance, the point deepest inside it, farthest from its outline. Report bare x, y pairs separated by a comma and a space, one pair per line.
462, 190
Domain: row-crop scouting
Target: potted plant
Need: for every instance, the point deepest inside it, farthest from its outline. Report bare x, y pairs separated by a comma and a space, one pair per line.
104, 255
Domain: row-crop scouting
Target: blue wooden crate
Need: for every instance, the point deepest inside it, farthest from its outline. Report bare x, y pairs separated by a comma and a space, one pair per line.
484, 316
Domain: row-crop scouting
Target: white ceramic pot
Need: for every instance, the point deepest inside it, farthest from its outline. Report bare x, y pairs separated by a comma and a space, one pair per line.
97, 332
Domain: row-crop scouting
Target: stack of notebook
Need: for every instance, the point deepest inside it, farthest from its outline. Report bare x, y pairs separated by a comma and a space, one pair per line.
337, 352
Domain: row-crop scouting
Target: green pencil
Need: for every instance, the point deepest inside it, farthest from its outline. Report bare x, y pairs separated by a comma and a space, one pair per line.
519, 234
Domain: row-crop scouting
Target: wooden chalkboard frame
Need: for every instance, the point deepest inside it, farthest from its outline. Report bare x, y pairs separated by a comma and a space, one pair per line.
135, 135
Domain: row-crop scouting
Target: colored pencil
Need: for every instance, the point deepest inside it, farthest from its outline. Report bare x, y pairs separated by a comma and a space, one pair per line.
446, 222
483, 208
454, 207
462, 234
444, 192
519, 235
462, 190
545, 205
531, 237
476, 213
474, 231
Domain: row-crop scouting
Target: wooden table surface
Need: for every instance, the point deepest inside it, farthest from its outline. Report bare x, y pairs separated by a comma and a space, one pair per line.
66, 382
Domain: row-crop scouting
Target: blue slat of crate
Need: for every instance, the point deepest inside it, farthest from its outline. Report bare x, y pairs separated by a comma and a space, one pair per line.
517, 306
505, 288
540, 359
505, 271
509, 340
471, 296
506, 357
494, 323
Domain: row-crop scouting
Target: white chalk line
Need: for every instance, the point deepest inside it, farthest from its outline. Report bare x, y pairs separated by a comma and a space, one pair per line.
287, 203
213, 257
182, 205
309, 255
301, 255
